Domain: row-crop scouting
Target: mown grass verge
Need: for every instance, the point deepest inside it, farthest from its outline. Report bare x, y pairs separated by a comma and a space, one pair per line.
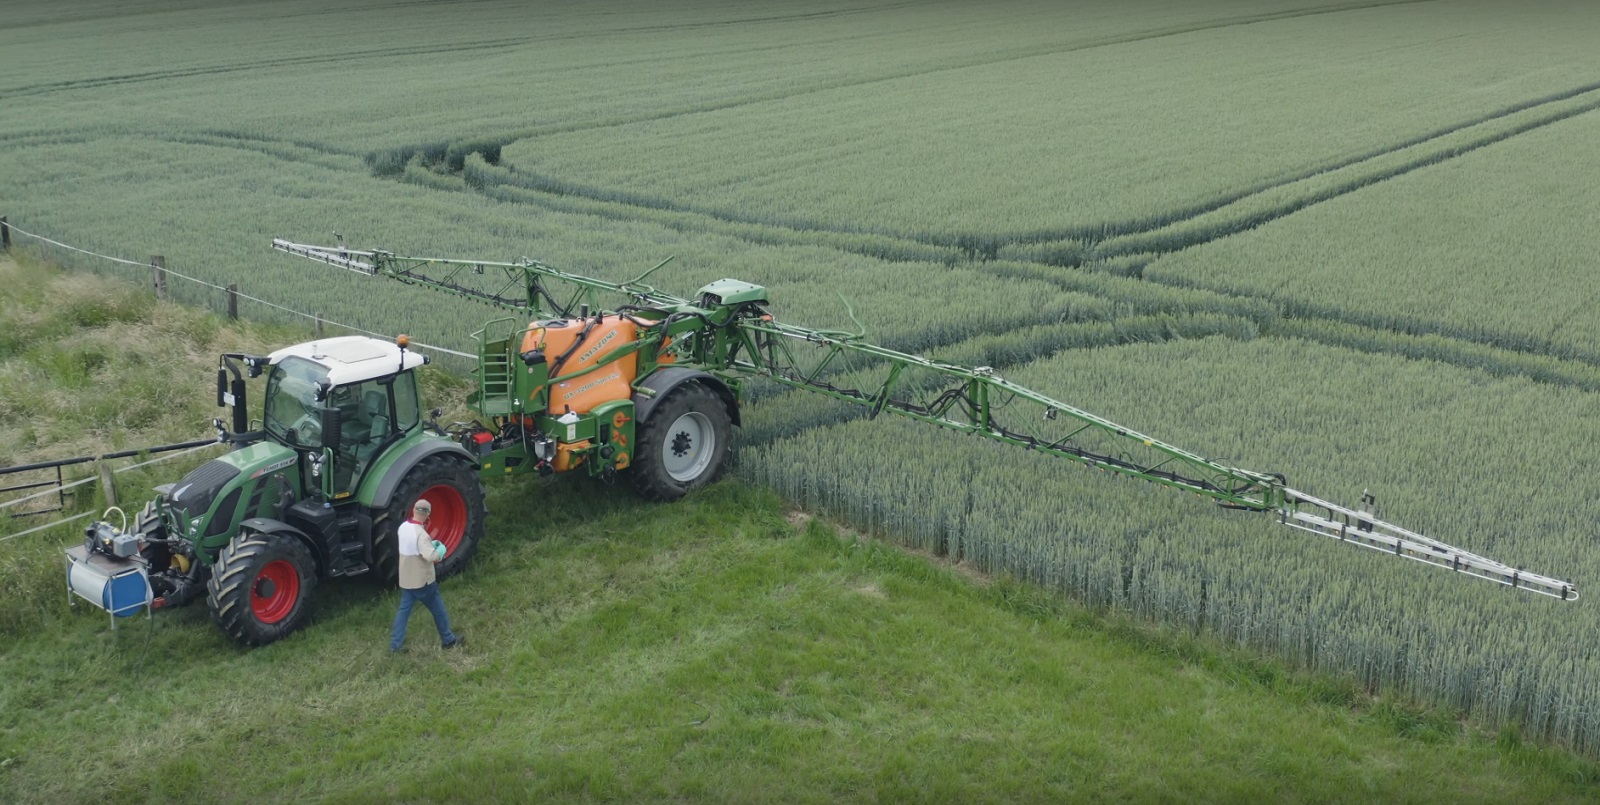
715, 650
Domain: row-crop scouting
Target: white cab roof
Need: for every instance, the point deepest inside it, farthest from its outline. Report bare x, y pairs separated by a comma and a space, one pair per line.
352, 358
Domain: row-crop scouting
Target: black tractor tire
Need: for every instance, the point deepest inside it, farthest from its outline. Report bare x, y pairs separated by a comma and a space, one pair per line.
457, 494
260, 587
683, 444
148, 521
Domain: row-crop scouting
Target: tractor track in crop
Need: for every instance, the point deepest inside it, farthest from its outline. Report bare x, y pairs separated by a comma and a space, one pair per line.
659, 28
1100, 243
261, 64
476, 46
1540, 113
514, 42
1102, 240
1347, 330
1373, 333
307, 152
985, 60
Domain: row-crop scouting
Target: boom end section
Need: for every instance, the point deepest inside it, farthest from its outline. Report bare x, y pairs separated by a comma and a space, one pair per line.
335, 256
1360, 527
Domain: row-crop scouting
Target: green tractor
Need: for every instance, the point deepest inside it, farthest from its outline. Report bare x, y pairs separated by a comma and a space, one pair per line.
316, 492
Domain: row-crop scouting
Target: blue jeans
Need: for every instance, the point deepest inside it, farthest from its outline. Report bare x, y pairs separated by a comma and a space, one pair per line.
429, 597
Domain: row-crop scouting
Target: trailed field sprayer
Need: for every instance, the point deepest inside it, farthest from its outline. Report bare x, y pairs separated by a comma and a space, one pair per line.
648, 389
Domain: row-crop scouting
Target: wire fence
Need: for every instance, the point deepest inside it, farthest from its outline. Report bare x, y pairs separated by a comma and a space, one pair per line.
81, 482
157, 265
57, 467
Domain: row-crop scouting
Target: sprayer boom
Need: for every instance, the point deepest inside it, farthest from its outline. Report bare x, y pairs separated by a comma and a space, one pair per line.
726, 332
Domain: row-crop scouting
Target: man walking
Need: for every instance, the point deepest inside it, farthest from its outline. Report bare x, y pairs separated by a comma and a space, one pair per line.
418, 554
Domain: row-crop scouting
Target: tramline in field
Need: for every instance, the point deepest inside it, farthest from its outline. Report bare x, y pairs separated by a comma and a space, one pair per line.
650, 389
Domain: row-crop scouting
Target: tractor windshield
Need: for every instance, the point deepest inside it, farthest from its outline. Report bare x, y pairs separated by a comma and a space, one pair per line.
290, 412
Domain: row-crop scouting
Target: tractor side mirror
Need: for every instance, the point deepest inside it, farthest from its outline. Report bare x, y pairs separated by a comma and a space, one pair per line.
332, 420
222, 387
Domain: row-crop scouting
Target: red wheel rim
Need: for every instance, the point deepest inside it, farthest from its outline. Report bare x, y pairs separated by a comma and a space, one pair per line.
449, 520
274, 592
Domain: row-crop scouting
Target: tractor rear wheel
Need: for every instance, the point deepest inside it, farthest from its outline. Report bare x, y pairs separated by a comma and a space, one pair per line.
683, 445
456, 492
260, 587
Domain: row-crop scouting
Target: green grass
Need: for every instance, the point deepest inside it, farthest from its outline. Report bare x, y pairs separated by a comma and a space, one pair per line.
714, 650
86, 366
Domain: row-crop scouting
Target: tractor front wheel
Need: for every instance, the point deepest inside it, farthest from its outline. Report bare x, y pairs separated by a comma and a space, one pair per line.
683, 445
260, 587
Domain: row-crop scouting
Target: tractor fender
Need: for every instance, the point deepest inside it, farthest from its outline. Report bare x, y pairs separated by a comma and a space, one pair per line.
664, 380
405, 461
267, 525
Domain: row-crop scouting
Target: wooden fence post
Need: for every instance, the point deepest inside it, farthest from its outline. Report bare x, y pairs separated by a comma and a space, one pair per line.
158, 273
233, 301
108, 484
318, 317
5, 235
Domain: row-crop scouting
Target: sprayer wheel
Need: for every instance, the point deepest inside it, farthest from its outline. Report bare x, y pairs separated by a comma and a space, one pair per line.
260, 587
683, 445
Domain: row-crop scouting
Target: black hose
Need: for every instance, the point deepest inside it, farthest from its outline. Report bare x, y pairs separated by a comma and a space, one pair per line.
588, 326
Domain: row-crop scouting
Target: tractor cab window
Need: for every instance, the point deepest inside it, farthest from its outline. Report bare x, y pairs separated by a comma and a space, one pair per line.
407, 406
373, 411
290, 408
368, 418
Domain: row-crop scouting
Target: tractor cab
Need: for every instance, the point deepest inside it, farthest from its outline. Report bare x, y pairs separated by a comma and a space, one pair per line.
341, 400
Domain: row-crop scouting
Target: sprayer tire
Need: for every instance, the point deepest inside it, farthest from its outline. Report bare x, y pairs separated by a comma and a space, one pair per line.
683, 445
260, 587
456, 491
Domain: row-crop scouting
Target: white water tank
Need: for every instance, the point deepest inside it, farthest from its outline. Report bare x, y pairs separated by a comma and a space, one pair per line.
118, 586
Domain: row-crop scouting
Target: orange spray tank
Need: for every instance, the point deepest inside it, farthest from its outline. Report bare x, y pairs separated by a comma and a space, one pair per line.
572, 345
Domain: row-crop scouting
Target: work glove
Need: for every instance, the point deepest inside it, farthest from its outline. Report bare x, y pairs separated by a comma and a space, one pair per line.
438, 548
